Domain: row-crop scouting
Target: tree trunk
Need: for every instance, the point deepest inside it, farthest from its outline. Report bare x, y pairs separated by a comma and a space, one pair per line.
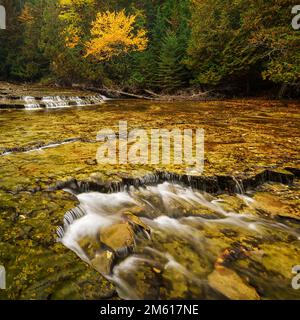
282, 91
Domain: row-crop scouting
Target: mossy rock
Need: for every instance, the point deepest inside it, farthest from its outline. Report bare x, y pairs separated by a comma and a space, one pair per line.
136, 221
274, 205
118, 236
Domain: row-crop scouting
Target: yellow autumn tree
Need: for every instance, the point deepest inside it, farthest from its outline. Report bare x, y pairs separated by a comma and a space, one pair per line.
114, 33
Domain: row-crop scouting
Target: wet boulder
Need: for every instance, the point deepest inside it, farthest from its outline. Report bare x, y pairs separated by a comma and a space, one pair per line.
118, 237
90, 246
103, 262
136, 223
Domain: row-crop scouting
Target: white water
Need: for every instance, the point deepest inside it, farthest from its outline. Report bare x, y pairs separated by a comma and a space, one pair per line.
64, 102
31, 103
104, 98
54, 102
169, 210
99, 98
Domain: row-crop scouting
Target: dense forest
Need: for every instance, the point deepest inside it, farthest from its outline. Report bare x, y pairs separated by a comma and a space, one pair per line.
238, 47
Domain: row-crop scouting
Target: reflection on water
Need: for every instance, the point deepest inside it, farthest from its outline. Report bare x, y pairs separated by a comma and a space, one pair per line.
170, 242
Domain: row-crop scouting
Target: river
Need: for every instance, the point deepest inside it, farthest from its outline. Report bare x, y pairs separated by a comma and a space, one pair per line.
160, 238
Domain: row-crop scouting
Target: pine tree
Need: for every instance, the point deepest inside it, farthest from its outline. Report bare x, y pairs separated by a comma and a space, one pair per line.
171, 73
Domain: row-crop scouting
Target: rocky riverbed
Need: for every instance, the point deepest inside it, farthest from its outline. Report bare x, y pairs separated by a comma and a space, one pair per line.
44, 151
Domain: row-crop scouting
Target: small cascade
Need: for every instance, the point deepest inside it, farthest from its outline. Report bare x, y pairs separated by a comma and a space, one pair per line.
55, 102
165, 241
239, 186
79, 101
104, 98
209, 184
63, 102
39, 147
31, 103
51, 102
98, 99
72, 215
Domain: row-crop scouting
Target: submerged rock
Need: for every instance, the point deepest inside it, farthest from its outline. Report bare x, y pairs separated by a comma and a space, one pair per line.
103, 262
241, 145
231, 285
112, 242
90, 246
280, 202
136, 222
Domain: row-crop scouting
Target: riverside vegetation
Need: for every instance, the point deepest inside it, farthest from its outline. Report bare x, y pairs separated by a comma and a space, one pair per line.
73, 228
165, 46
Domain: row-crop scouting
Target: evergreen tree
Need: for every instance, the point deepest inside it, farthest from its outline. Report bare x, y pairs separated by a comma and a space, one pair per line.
11, 37
171, 73
29, 62
215, 43
242, 41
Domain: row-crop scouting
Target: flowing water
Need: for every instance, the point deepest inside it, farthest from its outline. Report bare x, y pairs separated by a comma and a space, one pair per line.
53, 102
185, 243
30, 103
165, 241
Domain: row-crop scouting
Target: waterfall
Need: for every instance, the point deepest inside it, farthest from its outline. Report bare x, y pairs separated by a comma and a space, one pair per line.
31, 103
63, 102
55, 102
51, 102
79, 101
180, 227
98, 99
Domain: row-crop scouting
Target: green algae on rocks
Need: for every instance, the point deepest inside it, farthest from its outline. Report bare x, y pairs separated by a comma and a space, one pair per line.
242, 139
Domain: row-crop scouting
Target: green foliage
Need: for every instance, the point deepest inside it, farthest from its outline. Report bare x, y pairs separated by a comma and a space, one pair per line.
161, 67
213, 43
29, 63
230, 40
171, 73
10, 39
